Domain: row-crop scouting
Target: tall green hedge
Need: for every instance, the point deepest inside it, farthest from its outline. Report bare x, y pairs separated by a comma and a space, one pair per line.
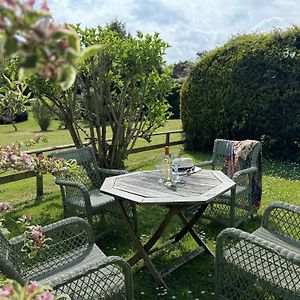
247, 89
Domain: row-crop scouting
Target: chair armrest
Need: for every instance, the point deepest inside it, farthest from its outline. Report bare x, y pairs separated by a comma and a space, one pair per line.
62, 182
84, 191
240, 173
204, 163
104, 173
76, 276
69, 236
111, 172
283, 218
60, 226
239, 242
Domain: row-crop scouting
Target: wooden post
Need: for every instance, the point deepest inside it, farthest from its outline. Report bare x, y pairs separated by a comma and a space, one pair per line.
39, 183
167, 138
39, 186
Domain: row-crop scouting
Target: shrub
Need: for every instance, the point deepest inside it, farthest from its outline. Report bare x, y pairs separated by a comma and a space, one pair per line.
42, 114
180, 72
174, 100
247, 88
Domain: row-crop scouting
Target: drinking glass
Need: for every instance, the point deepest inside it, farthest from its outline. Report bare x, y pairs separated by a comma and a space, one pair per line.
177, 178
159, 169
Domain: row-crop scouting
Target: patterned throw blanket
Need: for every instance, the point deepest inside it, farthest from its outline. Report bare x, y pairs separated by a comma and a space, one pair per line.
239, 158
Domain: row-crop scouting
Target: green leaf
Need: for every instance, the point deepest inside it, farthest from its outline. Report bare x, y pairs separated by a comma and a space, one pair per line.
61, 33
24, 74
11, 46
67, 78
33, 16
8, 13
30, 61
89, 52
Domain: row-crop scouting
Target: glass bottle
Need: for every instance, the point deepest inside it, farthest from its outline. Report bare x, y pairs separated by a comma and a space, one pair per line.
167, 167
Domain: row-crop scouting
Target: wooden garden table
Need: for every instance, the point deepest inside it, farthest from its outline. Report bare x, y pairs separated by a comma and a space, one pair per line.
143, 188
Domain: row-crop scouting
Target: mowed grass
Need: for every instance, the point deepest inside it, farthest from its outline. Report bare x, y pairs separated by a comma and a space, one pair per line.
55, 136
281, 181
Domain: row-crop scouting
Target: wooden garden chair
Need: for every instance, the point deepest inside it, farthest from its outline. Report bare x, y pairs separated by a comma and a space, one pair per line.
71, 263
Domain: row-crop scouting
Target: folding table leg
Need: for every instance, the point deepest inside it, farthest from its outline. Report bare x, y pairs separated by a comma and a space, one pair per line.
157, 234
137, 244
193, 233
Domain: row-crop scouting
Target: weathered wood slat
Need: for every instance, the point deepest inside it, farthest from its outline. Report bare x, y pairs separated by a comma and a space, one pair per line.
16, 177
200, 187
39, 179
153, 147
181, 261
135, 150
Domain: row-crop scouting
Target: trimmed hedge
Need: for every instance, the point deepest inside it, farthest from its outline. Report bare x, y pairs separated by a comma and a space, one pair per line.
247, 89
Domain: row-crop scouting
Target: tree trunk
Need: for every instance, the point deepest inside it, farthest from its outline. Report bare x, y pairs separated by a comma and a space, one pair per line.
73, 132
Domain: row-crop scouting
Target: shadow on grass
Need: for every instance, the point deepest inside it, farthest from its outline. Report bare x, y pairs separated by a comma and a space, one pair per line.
44, 212
192, 280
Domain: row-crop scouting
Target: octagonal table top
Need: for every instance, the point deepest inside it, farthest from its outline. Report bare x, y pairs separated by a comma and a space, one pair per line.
144, 188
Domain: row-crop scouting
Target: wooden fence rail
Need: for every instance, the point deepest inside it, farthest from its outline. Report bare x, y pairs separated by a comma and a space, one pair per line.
39, 177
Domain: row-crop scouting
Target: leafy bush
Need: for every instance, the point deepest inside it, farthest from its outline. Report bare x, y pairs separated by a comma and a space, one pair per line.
42, 114
248, 88
180, 72
174, 100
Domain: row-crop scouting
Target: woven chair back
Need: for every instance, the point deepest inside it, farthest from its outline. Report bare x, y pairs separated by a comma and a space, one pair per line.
9, 262
87, 172
222, 150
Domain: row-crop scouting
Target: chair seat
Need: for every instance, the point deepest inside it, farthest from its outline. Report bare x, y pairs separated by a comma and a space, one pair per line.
100, 200
259, 262
95, 284
240, 189
278, 239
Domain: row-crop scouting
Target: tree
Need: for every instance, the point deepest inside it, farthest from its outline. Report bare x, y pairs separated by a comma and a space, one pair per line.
123, 88
13, 94
13, 98
119, 27
43, 46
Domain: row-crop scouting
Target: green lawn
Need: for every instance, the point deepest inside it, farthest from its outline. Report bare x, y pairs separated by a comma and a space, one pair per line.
281, 181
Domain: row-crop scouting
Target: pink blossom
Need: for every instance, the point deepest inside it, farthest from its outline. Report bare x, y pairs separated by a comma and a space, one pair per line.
24, 156
25, 218
26, 6
13, 159
4, 206
44, 5
46, 296
7, 291
31, 2
32, 287
38, 236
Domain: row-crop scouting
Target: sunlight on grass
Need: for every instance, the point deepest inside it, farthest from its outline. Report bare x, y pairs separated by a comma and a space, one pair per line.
281, 181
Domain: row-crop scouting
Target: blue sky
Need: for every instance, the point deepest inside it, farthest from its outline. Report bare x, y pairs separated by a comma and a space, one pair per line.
189, 26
